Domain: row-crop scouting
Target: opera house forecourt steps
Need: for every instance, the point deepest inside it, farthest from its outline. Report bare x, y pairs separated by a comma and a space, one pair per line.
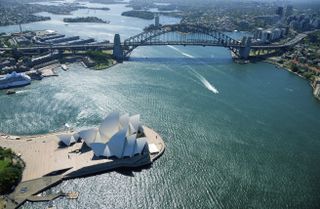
119, 141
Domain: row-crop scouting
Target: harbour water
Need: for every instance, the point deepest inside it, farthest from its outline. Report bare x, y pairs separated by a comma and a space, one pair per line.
237, 136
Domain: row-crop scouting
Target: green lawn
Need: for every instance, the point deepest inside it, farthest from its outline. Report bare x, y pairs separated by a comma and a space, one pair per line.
103, 59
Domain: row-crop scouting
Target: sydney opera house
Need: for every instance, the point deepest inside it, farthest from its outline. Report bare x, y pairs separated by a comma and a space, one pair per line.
116, 137
119, 141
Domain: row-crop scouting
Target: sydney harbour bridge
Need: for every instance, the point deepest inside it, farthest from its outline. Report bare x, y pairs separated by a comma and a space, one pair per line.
177, 34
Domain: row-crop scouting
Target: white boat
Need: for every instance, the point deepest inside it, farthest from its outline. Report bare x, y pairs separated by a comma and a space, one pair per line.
64, 67
14, 80
11, 92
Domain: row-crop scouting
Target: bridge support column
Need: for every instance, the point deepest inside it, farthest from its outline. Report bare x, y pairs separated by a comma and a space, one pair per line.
117, 49
244, 51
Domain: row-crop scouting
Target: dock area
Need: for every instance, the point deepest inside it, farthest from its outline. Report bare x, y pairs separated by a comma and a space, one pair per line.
49, 70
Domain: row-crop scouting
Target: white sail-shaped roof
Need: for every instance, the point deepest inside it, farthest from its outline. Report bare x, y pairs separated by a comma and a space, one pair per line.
72, 139
116, 136
135, 121
98, 148
99, 138
76, 136
131, 129
117, 142
88, 135
109, 126
66, 139
124, 120
140, 144
129, 146
106, 151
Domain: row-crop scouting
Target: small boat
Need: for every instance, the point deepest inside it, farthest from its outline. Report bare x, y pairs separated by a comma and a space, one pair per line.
72, 195
11, 91
64, 67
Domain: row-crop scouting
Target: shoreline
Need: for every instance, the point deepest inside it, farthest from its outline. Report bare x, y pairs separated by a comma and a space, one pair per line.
107, 67
280, 66
50, 70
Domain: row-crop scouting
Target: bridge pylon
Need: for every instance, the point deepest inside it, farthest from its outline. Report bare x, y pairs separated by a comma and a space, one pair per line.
244, 50
117, 49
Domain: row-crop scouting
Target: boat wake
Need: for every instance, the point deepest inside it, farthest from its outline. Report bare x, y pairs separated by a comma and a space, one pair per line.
288, 89
181, 52
205, 82
21, 91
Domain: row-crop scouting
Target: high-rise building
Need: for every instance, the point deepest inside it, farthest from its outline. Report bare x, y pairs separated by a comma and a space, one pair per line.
279, 11
289, 10
157, 21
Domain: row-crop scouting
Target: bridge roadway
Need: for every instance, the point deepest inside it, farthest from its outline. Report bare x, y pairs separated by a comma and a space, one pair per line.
183, 43
290, 43
63, 47
109, 46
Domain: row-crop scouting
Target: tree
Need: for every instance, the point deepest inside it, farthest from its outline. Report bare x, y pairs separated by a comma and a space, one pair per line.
11, 168
294, 67
313, 38
308, 75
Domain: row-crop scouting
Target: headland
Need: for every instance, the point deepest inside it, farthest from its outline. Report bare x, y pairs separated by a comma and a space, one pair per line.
47, 164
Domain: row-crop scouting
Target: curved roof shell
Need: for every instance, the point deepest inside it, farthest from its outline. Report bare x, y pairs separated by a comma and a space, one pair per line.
140, 145
67, 139
129, 146
88, 135
117, 142
109, 126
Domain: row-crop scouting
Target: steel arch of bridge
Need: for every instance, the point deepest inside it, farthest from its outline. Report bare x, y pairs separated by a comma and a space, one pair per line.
146, 38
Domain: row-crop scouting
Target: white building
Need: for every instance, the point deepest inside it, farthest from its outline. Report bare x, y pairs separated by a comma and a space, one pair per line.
117, 136
68, 139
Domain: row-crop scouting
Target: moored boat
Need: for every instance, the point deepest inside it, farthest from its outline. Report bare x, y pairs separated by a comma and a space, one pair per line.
14, 80
64, 67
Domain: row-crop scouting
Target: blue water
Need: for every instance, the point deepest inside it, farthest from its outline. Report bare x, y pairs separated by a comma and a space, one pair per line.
254, 144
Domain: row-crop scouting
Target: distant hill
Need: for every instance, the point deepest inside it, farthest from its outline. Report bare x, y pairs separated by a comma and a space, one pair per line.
140, 14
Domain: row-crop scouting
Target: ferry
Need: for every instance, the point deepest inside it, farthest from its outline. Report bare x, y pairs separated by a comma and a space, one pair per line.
10, 92
14, 80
